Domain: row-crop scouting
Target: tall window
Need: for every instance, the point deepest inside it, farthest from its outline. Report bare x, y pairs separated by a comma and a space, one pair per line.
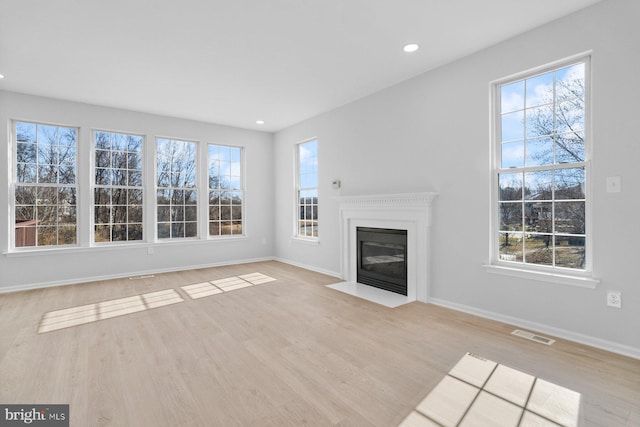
118, 187
541, 169
225, 190
177, 193
307, 189
45, 185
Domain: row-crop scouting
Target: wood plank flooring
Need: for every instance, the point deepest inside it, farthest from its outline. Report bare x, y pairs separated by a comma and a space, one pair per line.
286, 353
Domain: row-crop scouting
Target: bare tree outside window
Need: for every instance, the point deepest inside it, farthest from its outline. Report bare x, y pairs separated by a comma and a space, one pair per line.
542, 169
118, 193
45, 185
177, 193
226, 193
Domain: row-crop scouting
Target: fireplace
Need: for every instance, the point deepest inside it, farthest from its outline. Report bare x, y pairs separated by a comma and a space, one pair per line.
409, 212
382, 258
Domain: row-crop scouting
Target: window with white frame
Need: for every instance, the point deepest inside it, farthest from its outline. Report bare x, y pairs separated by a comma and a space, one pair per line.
118, 191
541, 169
45, 186
307, 189
226, 193
177, 192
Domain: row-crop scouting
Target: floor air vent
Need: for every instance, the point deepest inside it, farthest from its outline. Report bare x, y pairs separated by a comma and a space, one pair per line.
533, 337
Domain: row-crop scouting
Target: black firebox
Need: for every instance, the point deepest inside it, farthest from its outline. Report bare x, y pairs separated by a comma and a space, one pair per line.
382, 258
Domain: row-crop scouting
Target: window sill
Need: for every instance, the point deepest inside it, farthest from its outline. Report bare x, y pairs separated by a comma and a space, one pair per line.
102, 247
306, 241
586, 281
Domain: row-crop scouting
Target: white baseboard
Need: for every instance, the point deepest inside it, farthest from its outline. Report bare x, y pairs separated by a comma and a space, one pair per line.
309, 267
546, 329
26, 287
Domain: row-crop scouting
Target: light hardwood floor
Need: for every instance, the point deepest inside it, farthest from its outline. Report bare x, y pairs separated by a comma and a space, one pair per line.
286, 353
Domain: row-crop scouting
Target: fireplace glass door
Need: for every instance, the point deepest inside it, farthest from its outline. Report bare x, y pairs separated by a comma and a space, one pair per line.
382, 258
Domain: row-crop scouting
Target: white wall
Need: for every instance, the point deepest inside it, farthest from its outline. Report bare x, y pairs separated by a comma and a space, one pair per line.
432, 132
70, 266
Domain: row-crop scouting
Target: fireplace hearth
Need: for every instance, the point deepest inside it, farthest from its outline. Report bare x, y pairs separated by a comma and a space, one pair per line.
382, 258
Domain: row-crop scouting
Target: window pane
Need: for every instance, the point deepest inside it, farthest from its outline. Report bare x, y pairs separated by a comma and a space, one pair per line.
164, 230
236, 213
539, 249
26, 173
539, 152
510, 246
25, 195
510, 216
538, 217
190, 213
540, 90
512, 97
134, 232
134, 214
102, 141
512, 154
540, 121
538, 185
214, 228
102, 233
570, 217
570, 116
570, 252
25, 214
308, 180
191, 229
570, 82
225, 228
134, 144
236, 227
512, 127
177, 230
570, 147
236, 198
25, 132
569, 184
214, 213
102, 214
510, 185
26, 152
67, 235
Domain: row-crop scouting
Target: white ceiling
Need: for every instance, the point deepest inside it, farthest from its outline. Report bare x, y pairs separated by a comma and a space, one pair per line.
233, 62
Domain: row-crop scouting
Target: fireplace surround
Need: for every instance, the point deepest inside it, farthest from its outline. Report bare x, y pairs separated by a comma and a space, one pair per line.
401, 211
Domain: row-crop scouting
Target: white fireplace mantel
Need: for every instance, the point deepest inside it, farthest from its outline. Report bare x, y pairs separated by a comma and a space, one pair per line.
404, 211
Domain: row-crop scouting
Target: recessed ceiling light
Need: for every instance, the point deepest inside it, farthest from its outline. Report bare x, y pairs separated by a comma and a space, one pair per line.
411, 47
259, 122
1, 76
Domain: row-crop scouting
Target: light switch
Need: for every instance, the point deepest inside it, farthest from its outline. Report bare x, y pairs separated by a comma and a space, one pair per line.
613, 184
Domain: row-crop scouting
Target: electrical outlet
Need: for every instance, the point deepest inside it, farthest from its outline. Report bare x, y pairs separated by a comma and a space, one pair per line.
614, 299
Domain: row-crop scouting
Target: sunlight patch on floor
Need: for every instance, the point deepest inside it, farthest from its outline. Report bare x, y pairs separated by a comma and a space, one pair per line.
84, 314
205, 289
480, 392
74, 316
